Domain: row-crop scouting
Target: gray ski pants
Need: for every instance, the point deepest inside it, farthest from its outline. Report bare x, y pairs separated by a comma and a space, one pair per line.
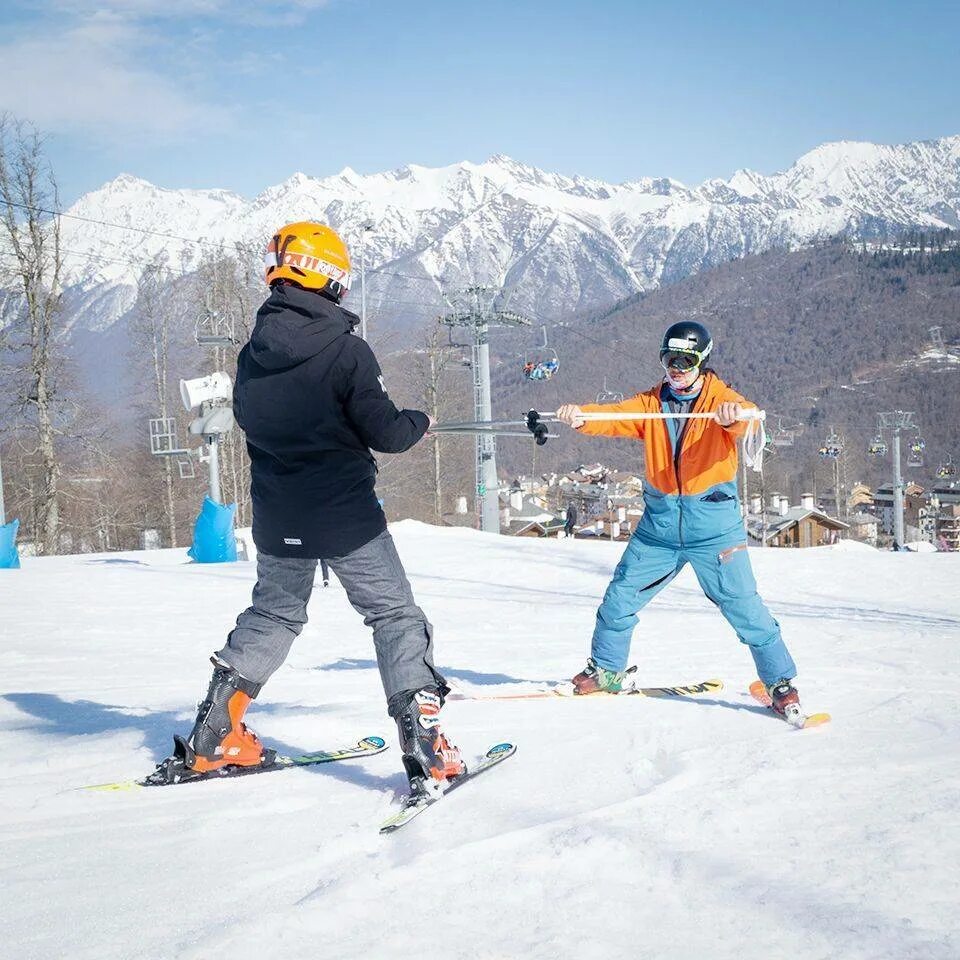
376, 586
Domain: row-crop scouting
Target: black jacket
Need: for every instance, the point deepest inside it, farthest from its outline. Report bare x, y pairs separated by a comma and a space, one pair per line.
311, 400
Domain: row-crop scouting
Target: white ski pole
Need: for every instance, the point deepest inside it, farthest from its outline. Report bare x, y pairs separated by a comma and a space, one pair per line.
599, 417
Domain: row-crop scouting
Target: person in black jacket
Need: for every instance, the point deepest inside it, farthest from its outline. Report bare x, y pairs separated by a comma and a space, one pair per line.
311, 399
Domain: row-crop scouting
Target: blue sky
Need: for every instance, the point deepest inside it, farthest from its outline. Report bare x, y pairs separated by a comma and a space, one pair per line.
240, 94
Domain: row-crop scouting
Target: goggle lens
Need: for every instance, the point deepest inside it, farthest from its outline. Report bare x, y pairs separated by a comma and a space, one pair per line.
679, 361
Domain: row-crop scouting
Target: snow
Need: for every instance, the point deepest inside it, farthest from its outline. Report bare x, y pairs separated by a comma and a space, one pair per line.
921, 546
629, 828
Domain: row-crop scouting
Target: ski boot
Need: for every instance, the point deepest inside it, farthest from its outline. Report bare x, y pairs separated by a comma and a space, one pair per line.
219, 737
428, 757
595, 679
785, 701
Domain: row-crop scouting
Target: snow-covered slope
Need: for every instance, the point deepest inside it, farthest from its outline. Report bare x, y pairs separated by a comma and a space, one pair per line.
562, 243
625, 828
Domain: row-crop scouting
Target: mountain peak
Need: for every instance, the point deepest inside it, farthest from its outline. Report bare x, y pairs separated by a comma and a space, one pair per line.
564, 243
126, 181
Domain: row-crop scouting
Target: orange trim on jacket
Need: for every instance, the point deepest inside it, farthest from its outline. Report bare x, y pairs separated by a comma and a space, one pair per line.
708, 451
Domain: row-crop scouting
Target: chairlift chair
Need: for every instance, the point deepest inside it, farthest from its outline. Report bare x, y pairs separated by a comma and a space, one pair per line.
918, 445
185, 468
878, 447
544, 364
832, 449
213, 329
780, 436
608, 396
946, 470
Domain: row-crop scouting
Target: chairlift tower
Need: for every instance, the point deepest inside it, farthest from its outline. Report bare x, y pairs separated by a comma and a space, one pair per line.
474, 309
832, 449
896, 422
211, 396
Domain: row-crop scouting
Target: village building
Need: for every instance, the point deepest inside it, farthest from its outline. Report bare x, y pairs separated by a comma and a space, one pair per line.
914, 507
864, 527
780, 525
945, 506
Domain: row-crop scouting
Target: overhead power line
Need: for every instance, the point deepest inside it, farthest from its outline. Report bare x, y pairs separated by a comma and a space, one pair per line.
118, 226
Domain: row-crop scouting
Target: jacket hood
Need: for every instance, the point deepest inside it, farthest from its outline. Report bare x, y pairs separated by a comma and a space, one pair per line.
294, 325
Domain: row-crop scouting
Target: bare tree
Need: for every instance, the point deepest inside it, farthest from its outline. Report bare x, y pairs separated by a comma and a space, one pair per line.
151, 328
30, 238
229, 287
435, 369
416, 483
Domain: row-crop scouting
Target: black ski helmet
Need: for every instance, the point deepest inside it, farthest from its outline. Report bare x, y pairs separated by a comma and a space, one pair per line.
687, 340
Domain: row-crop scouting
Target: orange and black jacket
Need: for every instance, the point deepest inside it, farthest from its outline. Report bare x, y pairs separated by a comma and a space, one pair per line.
690, 494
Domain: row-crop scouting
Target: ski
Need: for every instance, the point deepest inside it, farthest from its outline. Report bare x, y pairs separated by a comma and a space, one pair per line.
415, 803
565, 689
364, 748
759, 693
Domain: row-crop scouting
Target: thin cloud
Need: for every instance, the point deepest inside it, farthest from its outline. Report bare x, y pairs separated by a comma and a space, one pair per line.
242, 11
90, 78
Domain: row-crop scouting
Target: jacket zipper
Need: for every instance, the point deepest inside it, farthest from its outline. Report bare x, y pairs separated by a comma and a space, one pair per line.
676, 462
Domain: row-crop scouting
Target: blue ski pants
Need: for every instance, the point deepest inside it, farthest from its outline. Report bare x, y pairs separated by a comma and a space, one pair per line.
726, 576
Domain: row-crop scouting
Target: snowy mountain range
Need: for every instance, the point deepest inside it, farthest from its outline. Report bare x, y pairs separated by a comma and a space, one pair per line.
562, 244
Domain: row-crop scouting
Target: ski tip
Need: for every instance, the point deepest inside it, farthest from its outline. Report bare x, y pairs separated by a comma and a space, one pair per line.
122, 785
500, 749
815, 720
374, 743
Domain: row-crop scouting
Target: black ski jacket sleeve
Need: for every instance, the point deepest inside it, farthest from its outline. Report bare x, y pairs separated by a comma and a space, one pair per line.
371, 412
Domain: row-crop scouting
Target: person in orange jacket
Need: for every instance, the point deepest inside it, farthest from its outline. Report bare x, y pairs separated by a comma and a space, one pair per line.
691, 515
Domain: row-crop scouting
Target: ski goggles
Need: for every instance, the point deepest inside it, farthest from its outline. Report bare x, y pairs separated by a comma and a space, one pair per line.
680, 360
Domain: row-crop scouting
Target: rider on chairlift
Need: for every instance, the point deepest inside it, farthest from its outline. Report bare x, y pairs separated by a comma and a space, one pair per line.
542, 369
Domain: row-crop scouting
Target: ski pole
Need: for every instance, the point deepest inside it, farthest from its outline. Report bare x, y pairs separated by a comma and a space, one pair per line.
749, 414
477, 425
450, 430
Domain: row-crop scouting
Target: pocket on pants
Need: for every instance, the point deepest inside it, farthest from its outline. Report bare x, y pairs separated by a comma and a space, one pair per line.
734, 573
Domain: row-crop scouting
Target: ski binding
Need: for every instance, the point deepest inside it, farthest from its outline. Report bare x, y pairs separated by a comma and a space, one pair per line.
799, 721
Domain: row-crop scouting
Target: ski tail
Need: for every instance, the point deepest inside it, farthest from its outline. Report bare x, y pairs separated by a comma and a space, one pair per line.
363, 748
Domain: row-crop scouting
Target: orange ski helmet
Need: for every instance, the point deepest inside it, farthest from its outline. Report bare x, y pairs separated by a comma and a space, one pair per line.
310, 255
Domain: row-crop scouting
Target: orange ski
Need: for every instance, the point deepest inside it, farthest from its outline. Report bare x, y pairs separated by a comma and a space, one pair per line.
759, 693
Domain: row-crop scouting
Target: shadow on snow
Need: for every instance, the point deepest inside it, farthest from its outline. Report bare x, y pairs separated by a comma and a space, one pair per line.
468, 676
70, 718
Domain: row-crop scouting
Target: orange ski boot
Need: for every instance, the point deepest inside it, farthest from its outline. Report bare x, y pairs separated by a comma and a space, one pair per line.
430, 760
219, 737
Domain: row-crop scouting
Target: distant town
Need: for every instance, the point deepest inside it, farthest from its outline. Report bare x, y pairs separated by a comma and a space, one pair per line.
595, 501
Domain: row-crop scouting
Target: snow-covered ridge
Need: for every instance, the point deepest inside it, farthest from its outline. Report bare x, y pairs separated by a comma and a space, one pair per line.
563, 243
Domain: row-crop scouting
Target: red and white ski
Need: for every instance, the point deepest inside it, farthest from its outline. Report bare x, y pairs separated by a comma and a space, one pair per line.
565, 690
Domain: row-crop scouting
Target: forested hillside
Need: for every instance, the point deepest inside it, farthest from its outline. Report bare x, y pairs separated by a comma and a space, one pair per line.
823, 337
